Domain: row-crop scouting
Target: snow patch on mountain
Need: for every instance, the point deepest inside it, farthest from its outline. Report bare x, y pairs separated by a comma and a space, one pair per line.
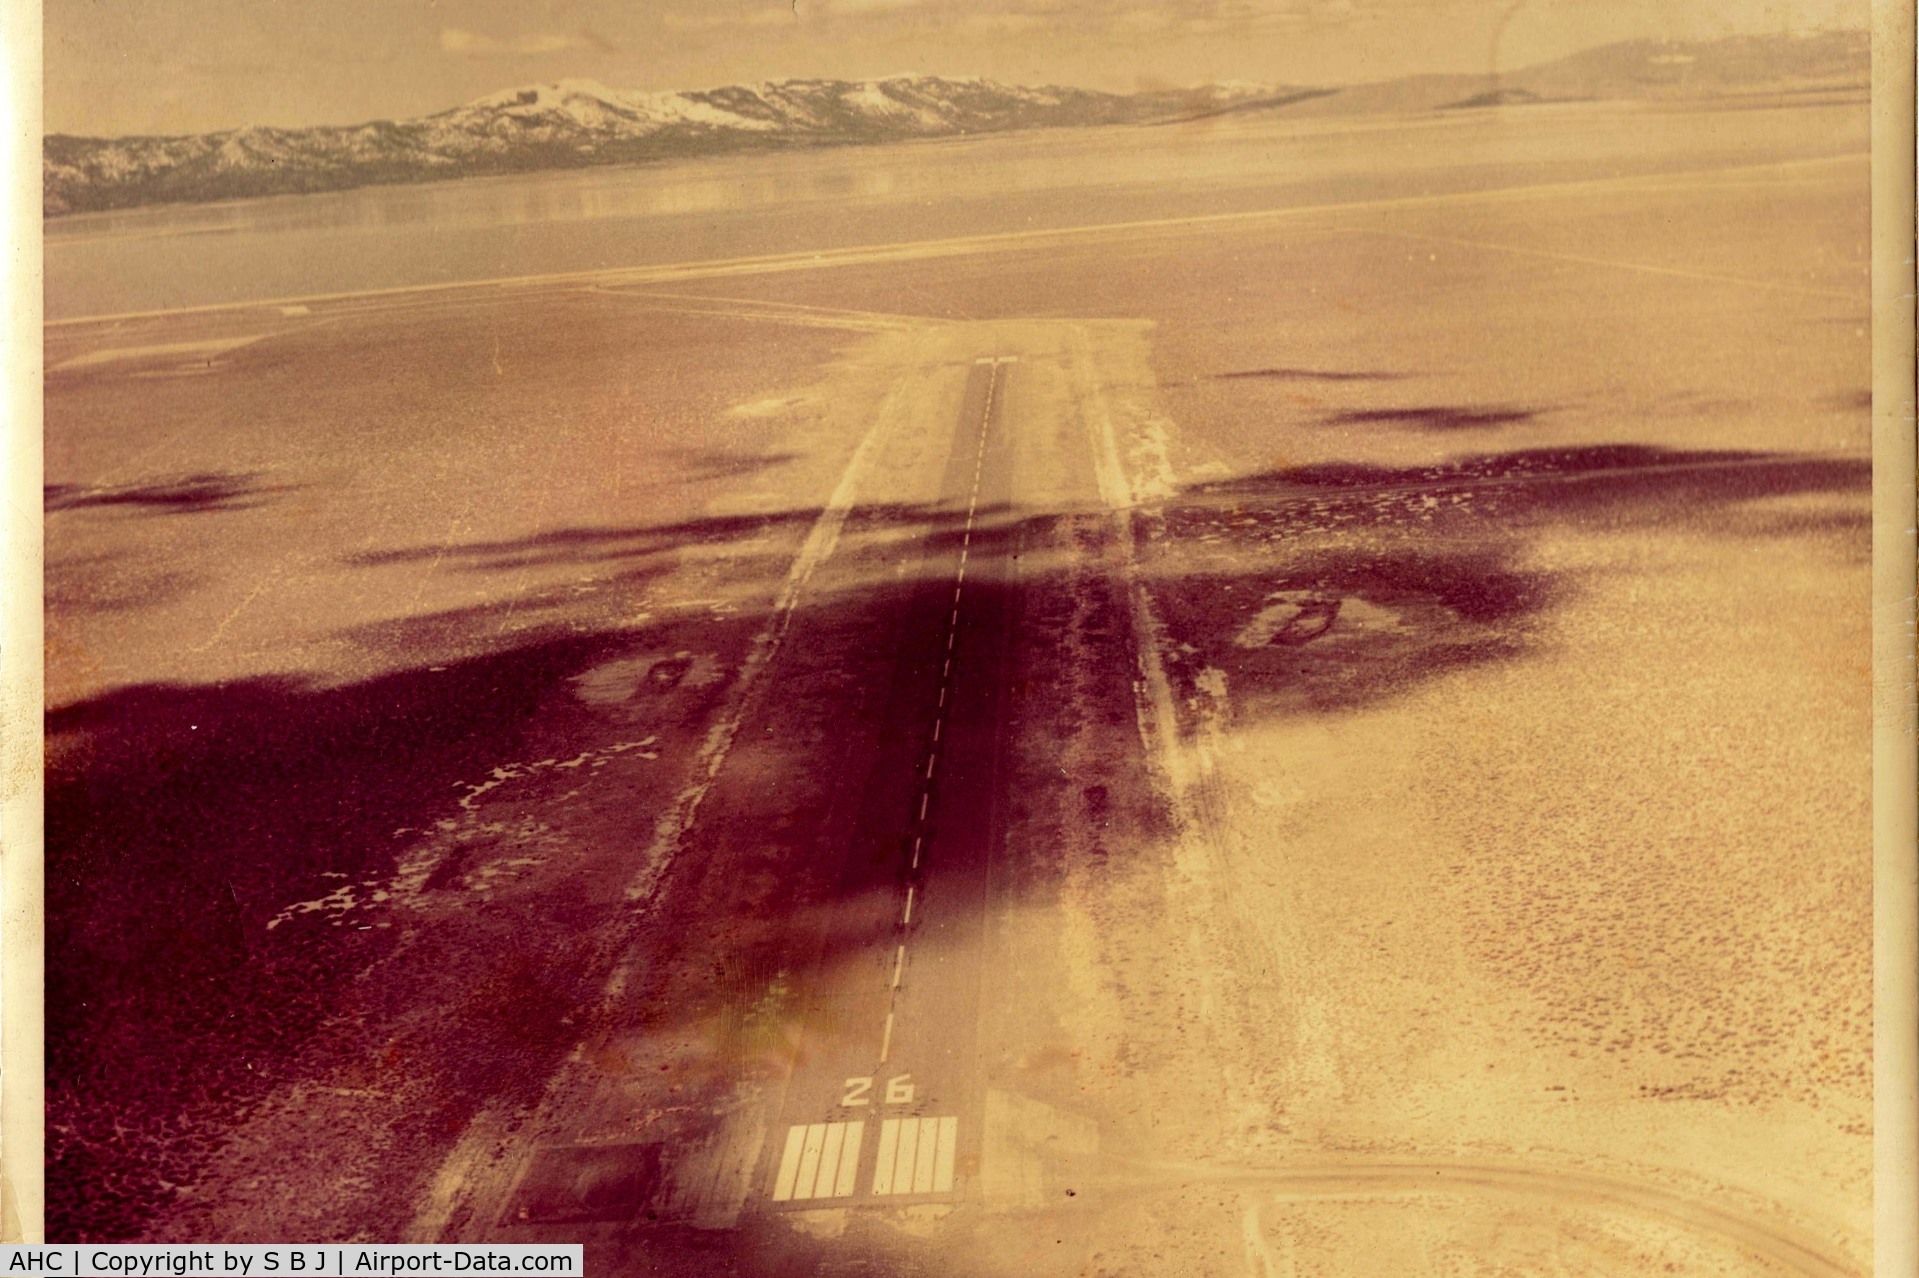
575, 122
568, 123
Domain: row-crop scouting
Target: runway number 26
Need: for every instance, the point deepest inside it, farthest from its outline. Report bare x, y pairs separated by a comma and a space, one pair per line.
899, 1091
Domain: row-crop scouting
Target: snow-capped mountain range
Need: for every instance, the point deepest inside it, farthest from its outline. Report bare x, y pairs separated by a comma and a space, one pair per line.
574, 123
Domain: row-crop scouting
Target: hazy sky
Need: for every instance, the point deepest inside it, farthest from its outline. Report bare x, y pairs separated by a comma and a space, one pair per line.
179, 66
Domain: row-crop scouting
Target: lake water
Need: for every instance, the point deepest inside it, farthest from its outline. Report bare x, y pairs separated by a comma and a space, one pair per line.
789, 201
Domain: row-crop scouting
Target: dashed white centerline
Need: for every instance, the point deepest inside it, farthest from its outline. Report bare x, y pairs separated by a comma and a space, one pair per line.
916, 1156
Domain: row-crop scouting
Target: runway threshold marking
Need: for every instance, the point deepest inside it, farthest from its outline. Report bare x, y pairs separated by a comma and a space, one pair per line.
916, 1156
821, 1160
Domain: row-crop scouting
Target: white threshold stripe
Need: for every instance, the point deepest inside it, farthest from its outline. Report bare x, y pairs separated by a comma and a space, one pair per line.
948, 1148
889, 1147
789, 1164
916, 1156
850, 1161
820, 1160
906, 1156
928, 1148
829, 1172
810, 1155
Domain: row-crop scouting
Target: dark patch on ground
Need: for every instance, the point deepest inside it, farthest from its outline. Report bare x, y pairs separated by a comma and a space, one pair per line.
1435, 417
1365, 626
1602, 485
182, 818
1314, 617
1497, 98
1530, 463
586, 606
704, 467
113, 583
1434, 582
1475, 586
589, 1182
567, 546
1309, 375
187, 495
179, 820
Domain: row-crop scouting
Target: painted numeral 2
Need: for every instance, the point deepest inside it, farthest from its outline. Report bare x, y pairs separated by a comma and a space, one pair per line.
899, 1091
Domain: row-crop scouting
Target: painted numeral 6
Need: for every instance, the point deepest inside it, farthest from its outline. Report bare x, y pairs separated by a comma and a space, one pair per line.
899, 1091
